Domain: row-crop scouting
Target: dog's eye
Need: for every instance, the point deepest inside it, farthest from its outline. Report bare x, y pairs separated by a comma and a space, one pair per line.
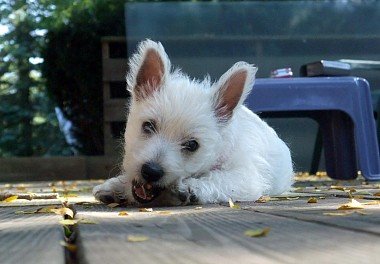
191, 145
148, 127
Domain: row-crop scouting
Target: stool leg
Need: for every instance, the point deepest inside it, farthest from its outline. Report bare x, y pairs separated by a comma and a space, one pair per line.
339, 144
316, 153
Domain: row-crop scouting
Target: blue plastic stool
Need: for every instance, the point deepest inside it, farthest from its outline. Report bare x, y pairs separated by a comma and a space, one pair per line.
342, 107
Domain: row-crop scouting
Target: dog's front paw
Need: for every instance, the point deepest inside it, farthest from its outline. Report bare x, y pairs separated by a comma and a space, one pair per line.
177, 197
111, 191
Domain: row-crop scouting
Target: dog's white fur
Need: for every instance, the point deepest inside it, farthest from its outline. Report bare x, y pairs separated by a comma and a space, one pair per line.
240, 156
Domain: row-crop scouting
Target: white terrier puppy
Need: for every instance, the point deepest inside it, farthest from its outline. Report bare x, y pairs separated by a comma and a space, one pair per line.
190, 141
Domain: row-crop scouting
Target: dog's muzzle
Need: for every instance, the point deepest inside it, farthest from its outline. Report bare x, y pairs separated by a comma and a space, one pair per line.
145, 192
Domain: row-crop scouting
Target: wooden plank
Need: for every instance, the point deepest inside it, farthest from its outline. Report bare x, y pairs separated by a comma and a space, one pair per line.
115, 110
215, 234
33, 238
316, 213
56, 168
114, 69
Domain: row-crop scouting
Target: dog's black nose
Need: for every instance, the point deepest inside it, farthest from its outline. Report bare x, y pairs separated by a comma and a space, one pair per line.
151, 171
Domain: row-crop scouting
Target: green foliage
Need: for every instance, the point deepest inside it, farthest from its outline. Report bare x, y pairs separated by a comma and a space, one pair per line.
27, 125
73, 64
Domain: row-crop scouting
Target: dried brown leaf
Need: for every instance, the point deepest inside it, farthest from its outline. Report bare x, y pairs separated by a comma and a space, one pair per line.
260, 232
312, 200
164, 212
145, 210
137, 238
69, 246
233, 205
338, 213
263, 199
68, 222
63, 211
353, 204
113, 205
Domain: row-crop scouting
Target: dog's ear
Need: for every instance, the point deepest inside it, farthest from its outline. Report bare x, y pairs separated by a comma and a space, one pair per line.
149, 68
232, 89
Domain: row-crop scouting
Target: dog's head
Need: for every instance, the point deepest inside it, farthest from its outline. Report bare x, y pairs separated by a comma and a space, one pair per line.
176, 126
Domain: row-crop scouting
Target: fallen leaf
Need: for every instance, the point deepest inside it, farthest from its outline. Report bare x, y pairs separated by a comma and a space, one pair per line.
340, 188
376, 202
46, 209
70, 195
312, 200
68, 222
123, 213
263, 199
63, 211
338, 214
10, 199
198, 208
21, 188
145, 210
363, 193
26, 212
353, 204
376, 194
233, 205
113, 205
164, 212
69, 246
261, 232
137, 238
291, 198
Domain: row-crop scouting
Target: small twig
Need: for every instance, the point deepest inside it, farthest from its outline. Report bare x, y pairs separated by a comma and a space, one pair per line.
28, 196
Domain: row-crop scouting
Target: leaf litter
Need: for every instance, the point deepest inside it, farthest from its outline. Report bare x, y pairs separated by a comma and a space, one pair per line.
260, 232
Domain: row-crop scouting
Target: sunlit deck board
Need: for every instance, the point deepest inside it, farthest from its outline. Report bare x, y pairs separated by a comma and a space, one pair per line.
30, 238
215, 234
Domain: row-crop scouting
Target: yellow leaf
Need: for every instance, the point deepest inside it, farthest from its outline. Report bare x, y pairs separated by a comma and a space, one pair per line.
263, 199
87, 222
68, 222
340, 188
113, 205
338, 214
145, 210
291, 198
26, 212
70, 195
11, 199
372, 203
21, 188
353, 204
69, 246
63, 211
164, 212
233, 205
137, 238
123, 213
261, 232
312, 200
46, 209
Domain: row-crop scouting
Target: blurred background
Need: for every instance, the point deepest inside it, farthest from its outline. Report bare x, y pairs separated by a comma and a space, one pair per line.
62, 65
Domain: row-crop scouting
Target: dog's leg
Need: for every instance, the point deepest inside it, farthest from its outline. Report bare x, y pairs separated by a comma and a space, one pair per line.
219, 186
112, 191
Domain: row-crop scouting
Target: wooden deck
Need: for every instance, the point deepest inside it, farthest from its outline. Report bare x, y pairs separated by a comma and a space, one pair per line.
299, 232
